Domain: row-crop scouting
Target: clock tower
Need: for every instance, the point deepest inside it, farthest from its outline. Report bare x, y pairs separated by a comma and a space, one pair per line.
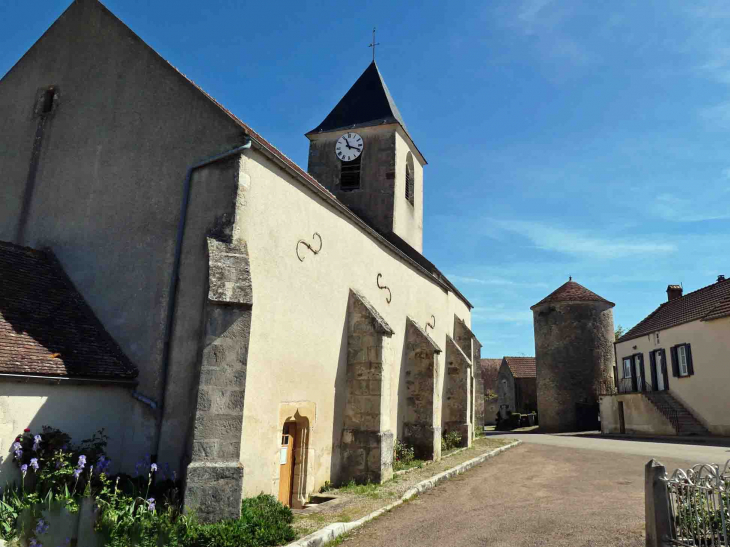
363, 154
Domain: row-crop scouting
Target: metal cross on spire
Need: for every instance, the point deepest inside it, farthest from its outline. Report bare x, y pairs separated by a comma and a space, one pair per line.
374, 44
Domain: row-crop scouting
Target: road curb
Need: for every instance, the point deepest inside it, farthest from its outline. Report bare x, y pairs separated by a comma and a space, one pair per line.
331, 532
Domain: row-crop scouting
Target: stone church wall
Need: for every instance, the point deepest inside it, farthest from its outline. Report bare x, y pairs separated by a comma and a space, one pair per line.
107, 194
106, 191
299, 340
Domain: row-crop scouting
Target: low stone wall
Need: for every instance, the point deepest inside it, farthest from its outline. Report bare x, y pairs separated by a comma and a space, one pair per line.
640, 416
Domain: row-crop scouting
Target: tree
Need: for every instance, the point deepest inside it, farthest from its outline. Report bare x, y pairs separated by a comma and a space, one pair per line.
620, 331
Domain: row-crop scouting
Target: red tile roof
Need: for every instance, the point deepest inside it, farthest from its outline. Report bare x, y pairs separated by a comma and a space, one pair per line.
705, 304
46, 327
572, 292
522, 367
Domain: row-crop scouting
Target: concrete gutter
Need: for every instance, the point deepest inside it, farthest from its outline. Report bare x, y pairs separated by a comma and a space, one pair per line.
331, 532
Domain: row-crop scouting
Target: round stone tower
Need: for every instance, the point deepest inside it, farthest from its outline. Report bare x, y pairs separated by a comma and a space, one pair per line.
574, 355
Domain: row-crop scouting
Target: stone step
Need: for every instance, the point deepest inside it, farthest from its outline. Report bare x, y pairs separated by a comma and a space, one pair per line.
670, 408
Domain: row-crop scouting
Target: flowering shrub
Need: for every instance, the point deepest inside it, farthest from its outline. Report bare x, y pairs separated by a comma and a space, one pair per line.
142, 510
403, 455
450, 440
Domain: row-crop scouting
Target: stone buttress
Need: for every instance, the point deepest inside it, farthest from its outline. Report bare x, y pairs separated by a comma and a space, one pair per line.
214, 480
422, 423
367, 441
467, 341
457, 392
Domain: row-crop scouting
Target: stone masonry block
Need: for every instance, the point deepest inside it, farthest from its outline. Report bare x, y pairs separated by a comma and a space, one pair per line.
214, 490
216, 426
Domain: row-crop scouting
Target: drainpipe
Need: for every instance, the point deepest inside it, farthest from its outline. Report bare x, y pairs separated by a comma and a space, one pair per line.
172, 293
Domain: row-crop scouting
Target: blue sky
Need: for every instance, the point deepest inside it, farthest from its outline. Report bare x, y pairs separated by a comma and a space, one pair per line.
563, 137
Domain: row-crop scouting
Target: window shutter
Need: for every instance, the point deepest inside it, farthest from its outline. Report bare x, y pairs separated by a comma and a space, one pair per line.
654, 371
675, 361
665, 369
690, 366
640, 358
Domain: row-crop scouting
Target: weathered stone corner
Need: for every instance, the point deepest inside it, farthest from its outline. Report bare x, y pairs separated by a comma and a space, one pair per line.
367, 313
214, 490
422, 422
367, 442
229, 273
457, 392
214, 478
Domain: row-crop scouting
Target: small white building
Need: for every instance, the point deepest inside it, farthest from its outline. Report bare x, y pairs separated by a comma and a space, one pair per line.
673, 368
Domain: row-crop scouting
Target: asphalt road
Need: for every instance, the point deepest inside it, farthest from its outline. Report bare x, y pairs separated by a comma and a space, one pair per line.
552, 490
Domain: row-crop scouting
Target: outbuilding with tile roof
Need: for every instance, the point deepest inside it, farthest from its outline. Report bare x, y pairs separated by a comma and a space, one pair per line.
516, 385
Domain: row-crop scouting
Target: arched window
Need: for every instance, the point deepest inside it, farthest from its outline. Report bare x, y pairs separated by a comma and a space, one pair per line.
410, 179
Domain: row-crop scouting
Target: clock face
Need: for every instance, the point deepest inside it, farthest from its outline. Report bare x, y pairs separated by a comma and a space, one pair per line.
349, 146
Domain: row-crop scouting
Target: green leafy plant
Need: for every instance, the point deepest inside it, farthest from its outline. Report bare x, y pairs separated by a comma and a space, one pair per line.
403, 455
450, 440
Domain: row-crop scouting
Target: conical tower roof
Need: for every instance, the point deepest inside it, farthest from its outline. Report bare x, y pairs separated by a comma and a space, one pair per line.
572, 292
367, 103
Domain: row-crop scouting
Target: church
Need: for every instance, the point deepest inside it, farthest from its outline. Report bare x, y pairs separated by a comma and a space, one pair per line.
171, 276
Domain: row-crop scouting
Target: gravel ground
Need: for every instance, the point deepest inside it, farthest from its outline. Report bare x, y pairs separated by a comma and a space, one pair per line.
534, 495
349, 506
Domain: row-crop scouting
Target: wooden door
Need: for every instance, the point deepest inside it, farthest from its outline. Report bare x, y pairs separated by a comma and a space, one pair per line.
286, 463
621, 418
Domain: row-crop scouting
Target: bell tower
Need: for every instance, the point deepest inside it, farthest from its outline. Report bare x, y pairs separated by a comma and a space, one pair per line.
363, 154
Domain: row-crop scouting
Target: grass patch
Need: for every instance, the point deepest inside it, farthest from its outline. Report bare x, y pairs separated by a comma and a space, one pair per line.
400, 466
370, 489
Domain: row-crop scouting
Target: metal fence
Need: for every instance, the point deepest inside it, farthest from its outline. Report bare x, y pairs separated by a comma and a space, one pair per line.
699, 505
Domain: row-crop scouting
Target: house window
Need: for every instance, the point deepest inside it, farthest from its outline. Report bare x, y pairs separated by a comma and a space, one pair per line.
682, 366
350, 174
682, 357
410, 179
656, 338
627, 367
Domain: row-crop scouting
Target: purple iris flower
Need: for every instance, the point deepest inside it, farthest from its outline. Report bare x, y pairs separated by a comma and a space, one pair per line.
34, 463
77, 472
82, 461
18, 453
151, 504
42, 527
153, 468
24, 469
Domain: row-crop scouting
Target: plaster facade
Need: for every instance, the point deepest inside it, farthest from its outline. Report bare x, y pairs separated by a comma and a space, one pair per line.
704, 394
640, 416
80, 411
110, 198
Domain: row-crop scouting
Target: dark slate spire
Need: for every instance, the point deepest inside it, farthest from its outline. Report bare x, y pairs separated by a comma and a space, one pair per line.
367, 103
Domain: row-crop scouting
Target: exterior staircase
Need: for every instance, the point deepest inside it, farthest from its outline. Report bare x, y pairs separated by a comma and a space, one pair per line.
681, 419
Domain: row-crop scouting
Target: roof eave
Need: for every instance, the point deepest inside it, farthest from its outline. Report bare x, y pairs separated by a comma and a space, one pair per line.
57, 380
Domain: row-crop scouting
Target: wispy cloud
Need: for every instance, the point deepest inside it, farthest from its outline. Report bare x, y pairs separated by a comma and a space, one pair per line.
500, 314
676, 209
493, 281
543, 23
578, 243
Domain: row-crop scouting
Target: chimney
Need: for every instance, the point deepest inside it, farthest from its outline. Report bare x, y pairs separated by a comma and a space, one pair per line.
674, 291
720, 278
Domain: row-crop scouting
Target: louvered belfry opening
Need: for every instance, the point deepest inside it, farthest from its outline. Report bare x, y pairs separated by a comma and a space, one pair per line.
350, 174
409, 185
410, 179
